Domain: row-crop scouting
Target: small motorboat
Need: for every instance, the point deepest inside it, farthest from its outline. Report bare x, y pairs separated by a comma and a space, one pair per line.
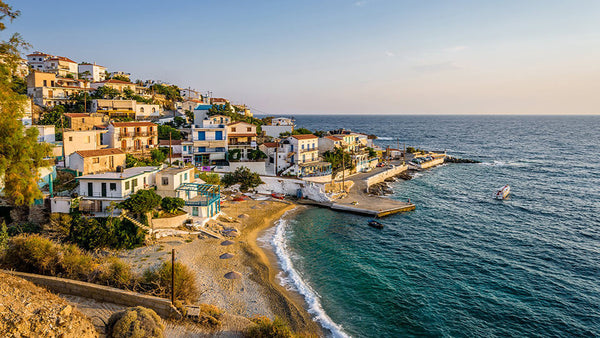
240, 198
278, 196
502, 193
373, 223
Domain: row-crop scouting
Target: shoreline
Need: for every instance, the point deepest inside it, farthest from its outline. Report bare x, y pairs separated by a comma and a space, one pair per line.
284, 303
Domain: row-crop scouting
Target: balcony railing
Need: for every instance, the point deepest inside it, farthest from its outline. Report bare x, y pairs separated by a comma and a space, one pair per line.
308, 150
108, 194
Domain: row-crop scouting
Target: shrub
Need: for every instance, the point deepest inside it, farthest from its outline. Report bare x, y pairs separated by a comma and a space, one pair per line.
172, 204
33, 254
3, 236
242, 175
118, 274
158, 282
59, 225
75, 264
265, 328
135, 322
210, 316
211, 178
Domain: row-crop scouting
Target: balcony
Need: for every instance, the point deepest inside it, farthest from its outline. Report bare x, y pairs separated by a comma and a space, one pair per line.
107, 195
146, 133
308, 150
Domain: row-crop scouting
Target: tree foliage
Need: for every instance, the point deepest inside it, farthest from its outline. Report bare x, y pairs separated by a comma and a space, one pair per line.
20, 154
172, 204
372, 152
242, 175
210, 178
93, 233
141, 202
338, 158
256, 154
165, 130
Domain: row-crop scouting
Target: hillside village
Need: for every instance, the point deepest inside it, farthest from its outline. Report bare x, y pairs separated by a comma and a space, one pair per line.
114, 136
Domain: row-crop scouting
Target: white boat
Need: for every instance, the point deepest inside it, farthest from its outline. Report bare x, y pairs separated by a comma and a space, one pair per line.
502, 193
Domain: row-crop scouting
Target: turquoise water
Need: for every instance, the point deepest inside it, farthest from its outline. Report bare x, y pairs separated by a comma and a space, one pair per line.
462, 264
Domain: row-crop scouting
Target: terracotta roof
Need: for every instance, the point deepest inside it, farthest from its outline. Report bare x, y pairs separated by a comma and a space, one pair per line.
62, 58
238, 122
76, 115
218, 99
115, 81
270, 144
334, 138
304, 136
166, 142
133, 124
100, 152
38, 54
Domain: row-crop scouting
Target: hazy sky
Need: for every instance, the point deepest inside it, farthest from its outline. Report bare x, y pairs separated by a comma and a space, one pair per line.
334, 56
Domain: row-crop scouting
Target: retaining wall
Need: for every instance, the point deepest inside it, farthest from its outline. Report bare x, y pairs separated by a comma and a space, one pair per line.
385, 174
100, 293
170, 222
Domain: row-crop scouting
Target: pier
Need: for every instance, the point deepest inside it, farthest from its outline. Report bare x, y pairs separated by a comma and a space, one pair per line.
358, 201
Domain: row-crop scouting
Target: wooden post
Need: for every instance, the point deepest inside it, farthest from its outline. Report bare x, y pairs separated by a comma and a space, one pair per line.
172, 276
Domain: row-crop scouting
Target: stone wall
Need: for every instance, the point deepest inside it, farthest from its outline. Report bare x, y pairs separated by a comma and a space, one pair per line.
171, 222
100, 293
385, 174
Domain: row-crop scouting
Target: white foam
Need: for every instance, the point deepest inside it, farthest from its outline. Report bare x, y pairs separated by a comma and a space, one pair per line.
385, 138
291, 279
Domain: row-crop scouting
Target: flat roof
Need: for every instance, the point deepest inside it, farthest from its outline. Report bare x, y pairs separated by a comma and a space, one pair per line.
126, 174
175, 170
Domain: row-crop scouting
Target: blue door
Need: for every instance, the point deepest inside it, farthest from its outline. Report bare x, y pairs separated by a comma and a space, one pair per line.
218, 135
201, 136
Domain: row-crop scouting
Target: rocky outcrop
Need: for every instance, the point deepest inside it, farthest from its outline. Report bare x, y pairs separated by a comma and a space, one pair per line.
404, 176
450, 159
27, 310
380, 189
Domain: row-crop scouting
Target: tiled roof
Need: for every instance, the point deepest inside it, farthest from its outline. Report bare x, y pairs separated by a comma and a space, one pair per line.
333, 138
304, 137
76, 115
115, 81
133, 124
166, 142
100, 152
62, 58
270, 144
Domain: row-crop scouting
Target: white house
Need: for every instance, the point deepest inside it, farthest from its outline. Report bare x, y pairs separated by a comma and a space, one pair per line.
209, 137
93, 72
169, 180
98, 191
279, 125
298, 155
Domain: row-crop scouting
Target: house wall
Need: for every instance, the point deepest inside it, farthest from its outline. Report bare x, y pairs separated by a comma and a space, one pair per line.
274, 131
81, 140
98, 164
173, 181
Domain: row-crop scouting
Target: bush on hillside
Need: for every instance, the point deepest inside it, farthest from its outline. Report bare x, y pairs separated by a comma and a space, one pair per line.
265, 328
172, 204
95, 233
115, 272
158, 282
242, 175
141, 202
134, 322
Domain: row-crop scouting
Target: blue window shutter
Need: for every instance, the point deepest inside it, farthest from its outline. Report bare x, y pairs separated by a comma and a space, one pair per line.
218, 135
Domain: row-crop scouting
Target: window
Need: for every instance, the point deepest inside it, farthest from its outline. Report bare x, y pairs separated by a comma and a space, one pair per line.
303, 147
134, 183
185, 176
249, 129
141, 109
70, 138
154, 110
88, 139
233, 130
96, 160
126, 185
165, 181
45, 83
113, 187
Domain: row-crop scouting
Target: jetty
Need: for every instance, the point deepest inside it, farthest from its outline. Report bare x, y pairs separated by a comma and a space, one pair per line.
359, 201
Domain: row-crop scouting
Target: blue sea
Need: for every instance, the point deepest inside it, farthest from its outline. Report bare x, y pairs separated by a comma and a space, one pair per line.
461, 264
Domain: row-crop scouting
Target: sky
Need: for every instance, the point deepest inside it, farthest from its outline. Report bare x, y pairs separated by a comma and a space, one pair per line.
338, 56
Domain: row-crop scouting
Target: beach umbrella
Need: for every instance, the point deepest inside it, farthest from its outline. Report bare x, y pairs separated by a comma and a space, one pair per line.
226, 255
233, 275
227, 242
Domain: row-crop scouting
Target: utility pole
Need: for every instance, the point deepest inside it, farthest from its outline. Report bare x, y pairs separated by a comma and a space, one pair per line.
172, 276
170, 151
343, 171
276, 156
62, 129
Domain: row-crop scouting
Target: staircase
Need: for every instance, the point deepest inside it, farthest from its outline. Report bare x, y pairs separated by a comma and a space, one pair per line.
136, 222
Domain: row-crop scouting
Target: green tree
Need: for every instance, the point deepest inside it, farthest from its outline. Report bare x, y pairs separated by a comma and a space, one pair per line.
301, 131
158, 156
234, 154
20, 154
55, 116
242, 175
164, 130
172, 204
338, 158
3, 237
256, 154
141, 202
372, 152
210, 178
121, 78
19, 85
106, 92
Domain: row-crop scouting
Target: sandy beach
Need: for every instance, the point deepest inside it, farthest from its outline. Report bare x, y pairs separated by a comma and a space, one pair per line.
256, 292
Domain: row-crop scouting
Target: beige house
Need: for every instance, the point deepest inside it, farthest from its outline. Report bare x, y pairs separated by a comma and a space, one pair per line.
169, 179
97, 161
81, 121
75, 140
242, 136
46, 89
132, 136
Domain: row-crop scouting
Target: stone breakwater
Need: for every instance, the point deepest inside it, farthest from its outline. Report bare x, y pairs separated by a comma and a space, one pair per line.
383, 188
450, 159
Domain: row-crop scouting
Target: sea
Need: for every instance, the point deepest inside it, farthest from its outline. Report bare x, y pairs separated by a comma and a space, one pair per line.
462, 264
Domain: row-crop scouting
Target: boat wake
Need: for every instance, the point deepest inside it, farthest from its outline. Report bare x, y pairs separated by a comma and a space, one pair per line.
292, 278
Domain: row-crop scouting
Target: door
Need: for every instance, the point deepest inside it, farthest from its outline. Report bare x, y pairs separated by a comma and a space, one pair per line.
218, 135
90, 189
123, 144
111, 162
194, 211
103, 189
